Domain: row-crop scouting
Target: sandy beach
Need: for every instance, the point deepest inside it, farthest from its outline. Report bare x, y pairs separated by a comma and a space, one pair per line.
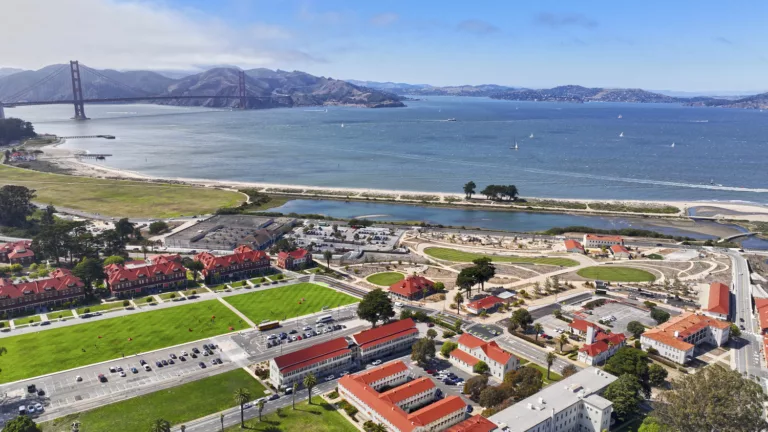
66, 159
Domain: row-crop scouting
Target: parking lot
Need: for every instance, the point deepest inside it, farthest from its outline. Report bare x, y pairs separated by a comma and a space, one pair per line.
322, 234
485, 331
623, 313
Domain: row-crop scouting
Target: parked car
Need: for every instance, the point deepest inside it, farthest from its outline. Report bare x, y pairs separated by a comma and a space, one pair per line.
102, 378
122, 374
134, 370
274, 396
376, 362
30, 409
202, 365
142, 362
165, 362
78, 378
195, 350
172, 355
330, 378
38, 407
147, 368
183, 359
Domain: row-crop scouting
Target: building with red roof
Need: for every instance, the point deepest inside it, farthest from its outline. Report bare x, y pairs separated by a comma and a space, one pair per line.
407, 406
242, 263
580, 326
761, 307
719, 302
472, 350
677, 338
19, 252
598, 241
385, 339
411, 287
485, 304
600, 346
295, 260
476, 423
574, 246
620, 252
321, 359
60, 287
157, 274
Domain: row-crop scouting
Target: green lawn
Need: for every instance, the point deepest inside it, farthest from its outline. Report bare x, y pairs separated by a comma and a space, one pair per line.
616, 274
167, 296
63, 348
461, 256
553, 376
258, 280
64, 314
219, 287
278, 303
177, 405
385, 278
318, 417
120, 197
100, 307
26, 320
196, 290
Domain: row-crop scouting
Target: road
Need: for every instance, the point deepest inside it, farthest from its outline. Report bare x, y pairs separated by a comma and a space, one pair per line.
747, 356
531, 352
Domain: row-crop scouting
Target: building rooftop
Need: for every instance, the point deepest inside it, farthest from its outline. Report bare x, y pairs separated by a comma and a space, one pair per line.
59, 279
385, 333
537, 408
573, 244
619, 249
678, 328
604, 237
411, 285
491, 349
719, 299
313, 354
485, 303
242, 254
476, 423
582, 325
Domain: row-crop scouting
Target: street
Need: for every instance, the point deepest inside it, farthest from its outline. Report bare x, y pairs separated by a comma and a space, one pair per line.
748, 355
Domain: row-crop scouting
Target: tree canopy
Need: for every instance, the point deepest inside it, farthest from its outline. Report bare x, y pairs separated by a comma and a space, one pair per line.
469, 189
423, 351
660, 315
375, 306
14, 129
481, 367
625, 395
21, 424
500, 192
636, 328
15, 205
656, 375
522, 318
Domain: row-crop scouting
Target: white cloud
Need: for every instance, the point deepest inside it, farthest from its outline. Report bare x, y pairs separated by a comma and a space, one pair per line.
133, 35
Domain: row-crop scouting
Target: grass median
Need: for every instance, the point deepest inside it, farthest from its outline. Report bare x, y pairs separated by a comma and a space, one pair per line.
177, 405
318, 417
57, 349
616, 274
385, 278
288, 301
462, 256
120, 198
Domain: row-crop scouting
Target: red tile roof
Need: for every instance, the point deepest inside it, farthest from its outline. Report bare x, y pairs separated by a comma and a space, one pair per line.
19, 249
761, 305
407, 390
476, 423
603, 343
411, 285
465, 357
491, 349
377, 335
719, 299
157, 259
296, 254
311, 355
59, 279
619, 249
387, 369
604, 237
495, 353
685, 325
133, 271
470, 341
437, 410
485, 303
582, 325
573, 244
241, 255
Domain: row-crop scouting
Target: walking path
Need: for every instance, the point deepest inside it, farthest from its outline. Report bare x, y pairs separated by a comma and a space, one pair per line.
237, 312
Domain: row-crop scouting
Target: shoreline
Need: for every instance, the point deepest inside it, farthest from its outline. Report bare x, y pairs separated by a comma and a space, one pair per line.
730, 212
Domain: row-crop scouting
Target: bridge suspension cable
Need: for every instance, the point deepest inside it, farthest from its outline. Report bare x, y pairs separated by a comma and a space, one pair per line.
16, 96
122, 85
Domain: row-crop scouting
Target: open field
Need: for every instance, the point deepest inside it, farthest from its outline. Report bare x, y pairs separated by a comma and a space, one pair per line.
177, 405
616, 274
120, 197
461, 256
63, 348
318, 417
385, 279
279, 303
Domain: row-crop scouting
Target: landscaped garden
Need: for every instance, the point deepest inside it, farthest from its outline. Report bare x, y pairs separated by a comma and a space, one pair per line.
288, 301
616, 274
385, 278
318, 417
462, 256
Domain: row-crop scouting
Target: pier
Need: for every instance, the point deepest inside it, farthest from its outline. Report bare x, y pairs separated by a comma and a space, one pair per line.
89, 136
99, 156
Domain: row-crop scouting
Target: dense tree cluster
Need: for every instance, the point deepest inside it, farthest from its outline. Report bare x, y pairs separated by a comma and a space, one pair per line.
13, 129
481, 272
500, 192
517, 385
16, 205
375, 306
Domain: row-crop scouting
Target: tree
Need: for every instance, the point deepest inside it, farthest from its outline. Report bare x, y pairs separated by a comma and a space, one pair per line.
628, 361
309, 382
713, 399
432, 334
656, 375
46, 216
735, 331
513, 325
481, 367
660, 315
625, 395
522, 317
114, 259
157, 227
650, 424
466, 280
636, 328
160, 425
16, 205
537, 329
484, 271
458, 299
112, 242
195, 267
524, 381
89, 270
375, 306
550, 359
469, 189
327, 255
491, 396
423, 351
569, 370
261, 404
21, 424
14, 129
124, 228
447, 348
293, 393
562, 340
241, 396
438, 286
475, 385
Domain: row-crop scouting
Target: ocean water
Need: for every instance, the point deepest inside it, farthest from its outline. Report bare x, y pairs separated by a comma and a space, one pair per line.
576, 150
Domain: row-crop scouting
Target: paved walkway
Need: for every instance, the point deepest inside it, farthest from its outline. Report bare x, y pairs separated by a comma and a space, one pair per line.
237, 312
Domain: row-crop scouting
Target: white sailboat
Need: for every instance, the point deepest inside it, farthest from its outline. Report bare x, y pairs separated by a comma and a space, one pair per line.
342, 125
621, 135
620, 116
531, 137
515, 146
673, 145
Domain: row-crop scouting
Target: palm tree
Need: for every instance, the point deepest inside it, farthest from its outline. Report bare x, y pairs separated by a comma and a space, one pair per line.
459, 299
309, 382
242, 395
261, 408
378, 427
160, 425
295, 389
537, 328
550, 359
328, 255
563, 339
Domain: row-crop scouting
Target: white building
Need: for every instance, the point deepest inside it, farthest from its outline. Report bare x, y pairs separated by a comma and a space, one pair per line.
573, 404
385, 339
620, 252
597, 241
321, 359
472, 350
677, 338
600, 346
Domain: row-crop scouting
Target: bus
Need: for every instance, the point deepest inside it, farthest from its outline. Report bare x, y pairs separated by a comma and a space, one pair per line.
269, 325
325, 319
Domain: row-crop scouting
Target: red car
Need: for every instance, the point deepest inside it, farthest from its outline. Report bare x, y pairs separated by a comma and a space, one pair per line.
298, 337
430, 371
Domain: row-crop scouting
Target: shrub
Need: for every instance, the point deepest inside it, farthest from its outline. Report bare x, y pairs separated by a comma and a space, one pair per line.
87, 310
126, 303
333, 395
149, 300
448, 334
637, 344
653, 351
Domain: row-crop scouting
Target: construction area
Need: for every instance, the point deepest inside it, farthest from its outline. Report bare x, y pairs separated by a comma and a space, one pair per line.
226, 232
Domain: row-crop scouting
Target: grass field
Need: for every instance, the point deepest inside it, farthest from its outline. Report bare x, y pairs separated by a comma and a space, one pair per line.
63, 348
553, 376
26, 320
119, 197
306, 418
616, 274
100, 307
64, 314
385, 278
461, 256
177, 405
167, 296
278, 303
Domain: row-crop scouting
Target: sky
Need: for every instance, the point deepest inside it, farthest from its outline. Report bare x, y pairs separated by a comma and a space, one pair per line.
681, 45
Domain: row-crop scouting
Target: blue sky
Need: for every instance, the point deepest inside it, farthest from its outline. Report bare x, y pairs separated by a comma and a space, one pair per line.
677, 45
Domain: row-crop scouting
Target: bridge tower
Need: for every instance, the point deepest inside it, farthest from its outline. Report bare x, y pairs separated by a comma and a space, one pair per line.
77, 91
241, 88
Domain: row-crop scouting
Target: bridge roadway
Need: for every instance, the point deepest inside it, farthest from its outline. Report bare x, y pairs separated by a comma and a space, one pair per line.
136, 99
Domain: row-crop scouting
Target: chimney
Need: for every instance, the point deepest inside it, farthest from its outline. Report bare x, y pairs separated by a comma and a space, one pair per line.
677, 333
590, 334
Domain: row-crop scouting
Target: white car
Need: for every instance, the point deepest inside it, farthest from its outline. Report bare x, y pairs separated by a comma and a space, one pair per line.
399, 304
38, 407
330, 378
307, 328
272, 336
376, 362
30, 409
122, 374
184, 353
78, 378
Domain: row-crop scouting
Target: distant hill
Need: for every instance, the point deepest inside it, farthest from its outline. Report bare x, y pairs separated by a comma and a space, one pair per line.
9, 71
579, 94
758, 101
296, 88
429, 90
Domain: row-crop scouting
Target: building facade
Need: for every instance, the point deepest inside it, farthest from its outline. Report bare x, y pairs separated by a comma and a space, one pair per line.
600, 346
19, 252
485, 304
412, 287
321, 359
677, 338
60, 287
157, 274
295, 260
620, 252
472, 350
598, 241
385, 339
573, 246
719, 302
244, 262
